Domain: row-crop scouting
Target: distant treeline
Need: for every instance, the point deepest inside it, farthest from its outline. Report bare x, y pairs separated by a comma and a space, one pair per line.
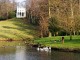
7, 9
55, 17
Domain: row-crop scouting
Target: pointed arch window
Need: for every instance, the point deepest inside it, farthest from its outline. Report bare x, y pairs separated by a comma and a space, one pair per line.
22, 13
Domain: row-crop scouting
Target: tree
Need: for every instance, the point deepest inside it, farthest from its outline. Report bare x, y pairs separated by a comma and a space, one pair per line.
59, 15
6, 6
39, 9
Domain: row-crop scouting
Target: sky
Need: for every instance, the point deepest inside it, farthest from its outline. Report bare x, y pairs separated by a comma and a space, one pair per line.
20, 3
20, 0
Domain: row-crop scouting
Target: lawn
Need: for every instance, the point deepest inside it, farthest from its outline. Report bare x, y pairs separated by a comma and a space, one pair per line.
19, 29
56, 42
16, 29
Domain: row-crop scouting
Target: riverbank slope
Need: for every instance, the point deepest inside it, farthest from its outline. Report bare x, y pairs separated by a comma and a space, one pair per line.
16, 29
56, 43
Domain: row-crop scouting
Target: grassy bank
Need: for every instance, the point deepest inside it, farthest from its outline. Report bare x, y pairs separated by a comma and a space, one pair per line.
55, 42
16, 29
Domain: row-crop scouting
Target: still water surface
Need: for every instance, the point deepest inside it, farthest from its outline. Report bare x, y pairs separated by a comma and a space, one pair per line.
26, 53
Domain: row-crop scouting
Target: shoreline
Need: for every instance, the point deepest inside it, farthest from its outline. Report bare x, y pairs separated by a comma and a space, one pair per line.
66, 49
56, 43
75, 50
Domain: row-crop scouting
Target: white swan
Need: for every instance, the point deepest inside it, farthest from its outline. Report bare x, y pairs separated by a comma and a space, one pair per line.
41, 49
49, 48
38, 48
44, 49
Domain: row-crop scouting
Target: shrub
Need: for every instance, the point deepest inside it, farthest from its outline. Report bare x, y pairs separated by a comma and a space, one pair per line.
2, 18
11, 15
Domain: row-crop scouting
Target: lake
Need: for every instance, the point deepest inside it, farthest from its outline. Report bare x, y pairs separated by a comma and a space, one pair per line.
28, 53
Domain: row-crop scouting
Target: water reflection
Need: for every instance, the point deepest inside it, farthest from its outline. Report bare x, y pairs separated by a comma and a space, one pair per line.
7, 53
56, 55
20, 53
23, 53
26, 53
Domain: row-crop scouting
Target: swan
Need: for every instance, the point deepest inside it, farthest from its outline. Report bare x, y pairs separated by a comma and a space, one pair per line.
38, 48
41, 49
49, 48
44, 48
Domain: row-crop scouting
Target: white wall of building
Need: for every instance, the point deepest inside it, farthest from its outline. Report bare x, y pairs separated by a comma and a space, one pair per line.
21, 12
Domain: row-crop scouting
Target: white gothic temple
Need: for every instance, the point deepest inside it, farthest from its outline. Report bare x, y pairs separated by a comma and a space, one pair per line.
21, 12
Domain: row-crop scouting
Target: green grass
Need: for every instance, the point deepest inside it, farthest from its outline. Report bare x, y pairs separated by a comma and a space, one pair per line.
16, 29
50, 41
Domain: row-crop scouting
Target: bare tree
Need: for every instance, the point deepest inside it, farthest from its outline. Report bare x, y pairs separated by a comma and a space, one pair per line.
6, 6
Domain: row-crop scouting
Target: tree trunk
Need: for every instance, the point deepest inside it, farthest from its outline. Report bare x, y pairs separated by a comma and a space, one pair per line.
72, 18
41, 34
77, 32
49, 9
74, 33
62, 40
79, 7
70, 35
50, 34
57, 33
54, 34
7, 15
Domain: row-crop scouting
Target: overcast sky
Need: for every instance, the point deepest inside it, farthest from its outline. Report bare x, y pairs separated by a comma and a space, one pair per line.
20, 0
21, 3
